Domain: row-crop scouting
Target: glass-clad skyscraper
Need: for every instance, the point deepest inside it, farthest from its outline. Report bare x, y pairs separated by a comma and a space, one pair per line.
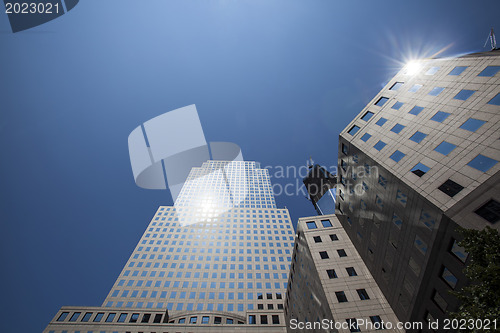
219, 256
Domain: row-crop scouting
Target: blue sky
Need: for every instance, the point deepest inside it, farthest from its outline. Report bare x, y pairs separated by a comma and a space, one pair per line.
281, 78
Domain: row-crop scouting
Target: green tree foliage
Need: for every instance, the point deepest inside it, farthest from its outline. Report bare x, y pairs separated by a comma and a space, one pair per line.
480, 299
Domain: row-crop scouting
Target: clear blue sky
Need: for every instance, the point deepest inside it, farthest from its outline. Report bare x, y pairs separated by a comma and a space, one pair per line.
281, 78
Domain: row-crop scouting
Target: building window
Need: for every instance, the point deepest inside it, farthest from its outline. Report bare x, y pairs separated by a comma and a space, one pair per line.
495, 100
458, 251
457, 70
134, 318
439, 300
341, 253
445, 148
205, 319
343, 165
482, 163
397, 128
448, 277
414, 266
311, 225
472, 124
415, 88
379, 145
87, 316
420, 169
440, 116
353, 130
436, 91
326, 223
353, 325
427, 220
418, 137
122, 317
110, 317
263, 319
402, 198
98, 317
396, 86
377, 322
420, 245
490, 71
75, 316
382, 181
341, 297
398, 222
324, 255
397, 156
363, 295
416, 110
490, 211
331, 273
276, 319
432, 71
334, 237
63, 316
381, 121
193, 320
464, 94
218, 320
351, 271
450, 188
365, 137
381, 101
345, 149
397, 105
367, 116
317, 239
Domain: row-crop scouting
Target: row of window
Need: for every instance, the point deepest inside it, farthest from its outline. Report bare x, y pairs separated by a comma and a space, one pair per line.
204, 320
324, 254
191, 236
342, 298
462, 95
248, 231
182, 306
275, 319
121, 318
489, 71
333, 275
210, 250
480, 162
191, 295
204, 285
217, 258
325, 223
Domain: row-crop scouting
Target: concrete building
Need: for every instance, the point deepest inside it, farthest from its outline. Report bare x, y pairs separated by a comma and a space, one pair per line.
330, 288
217, 261
418, 161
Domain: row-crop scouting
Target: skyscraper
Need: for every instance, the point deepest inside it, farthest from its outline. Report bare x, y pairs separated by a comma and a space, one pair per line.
219, 257
420, 160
